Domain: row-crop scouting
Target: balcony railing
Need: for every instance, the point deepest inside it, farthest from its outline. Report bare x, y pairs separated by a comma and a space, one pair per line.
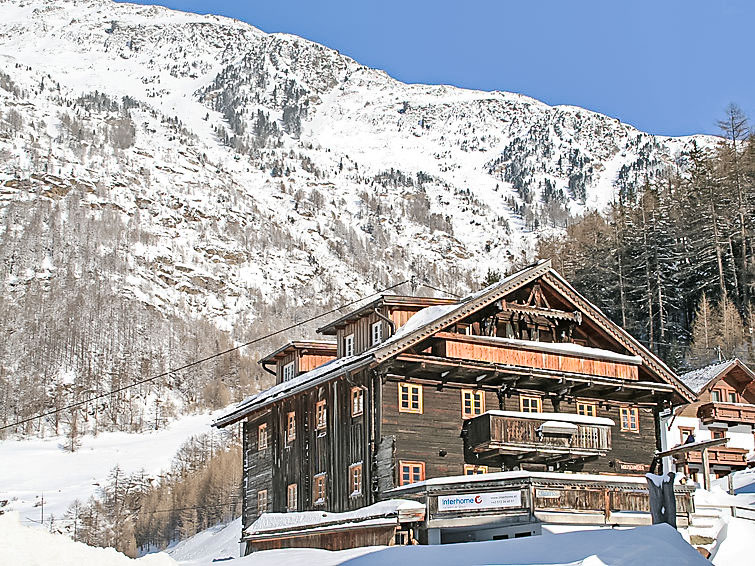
726, 413
538, 436
725, 455
548, 356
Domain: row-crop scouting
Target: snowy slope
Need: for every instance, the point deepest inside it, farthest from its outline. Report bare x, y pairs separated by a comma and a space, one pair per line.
199, 168
31, 469
657, 545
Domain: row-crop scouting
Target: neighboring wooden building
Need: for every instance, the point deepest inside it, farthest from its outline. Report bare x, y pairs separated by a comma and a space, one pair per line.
724, 408
523, 375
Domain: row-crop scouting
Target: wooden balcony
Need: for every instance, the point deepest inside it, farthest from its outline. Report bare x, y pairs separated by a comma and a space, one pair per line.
537, 437
548, 356
734, 413
724, 455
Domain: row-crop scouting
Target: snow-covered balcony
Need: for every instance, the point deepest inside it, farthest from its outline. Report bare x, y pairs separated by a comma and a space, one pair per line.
546, 356
732, 413
536, 437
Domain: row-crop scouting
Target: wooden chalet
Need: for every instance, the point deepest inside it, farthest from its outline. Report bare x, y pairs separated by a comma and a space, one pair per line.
724, 408
523, 376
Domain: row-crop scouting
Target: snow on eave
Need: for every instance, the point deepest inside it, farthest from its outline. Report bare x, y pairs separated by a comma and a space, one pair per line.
325, 372
560, 417
306, 520
566, 349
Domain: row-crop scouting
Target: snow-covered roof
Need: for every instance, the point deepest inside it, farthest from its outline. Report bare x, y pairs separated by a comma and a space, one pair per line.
697, 379
272, 522
299, 383
560, 417
519, 474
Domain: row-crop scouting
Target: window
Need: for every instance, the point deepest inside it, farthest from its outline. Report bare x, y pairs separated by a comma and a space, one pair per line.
289, 371
411, 472
262, 436
318, 489
291, 427
261, 501
357, 401
717, 433
377, 333
292, 503
472, 403
409, 398
587, 409
732, 397
716, 396
472, 470
355, 479
321, 415
630, 419
348, 345
528, 404
685, 432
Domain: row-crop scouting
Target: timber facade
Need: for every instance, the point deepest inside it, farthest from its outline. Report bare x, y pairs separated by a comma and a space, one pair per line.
723, 409
525, 375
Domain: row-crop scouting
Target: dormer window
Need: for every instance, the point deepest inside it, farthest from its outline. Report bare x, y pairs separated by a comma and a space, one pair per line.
348, 345
377, 333
289, 371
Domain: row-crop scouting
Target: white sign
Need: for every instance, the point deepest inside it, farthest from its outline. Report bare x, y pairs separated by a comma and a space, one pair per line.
547, 493
474, 501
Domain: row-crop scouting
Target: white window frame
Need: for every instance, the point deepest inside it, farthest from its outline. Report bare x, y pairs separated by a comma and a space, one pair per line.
377, 333
289, 371
262, 501
356, 473
357, 401
292, 497
348, 345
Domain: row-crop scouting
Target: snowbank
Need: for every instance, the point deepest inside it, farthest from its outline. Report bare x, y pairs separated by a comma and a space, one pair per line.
658, 545
216, 543
735, 543
25, 546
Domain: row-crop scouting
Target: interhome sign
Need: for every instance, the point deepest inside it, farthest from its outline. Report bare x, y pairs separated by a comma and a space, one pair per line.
476, 501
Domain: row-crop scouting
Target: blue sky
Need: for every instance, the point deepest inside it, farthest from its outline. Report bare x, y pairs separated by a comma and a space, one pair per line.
665, 66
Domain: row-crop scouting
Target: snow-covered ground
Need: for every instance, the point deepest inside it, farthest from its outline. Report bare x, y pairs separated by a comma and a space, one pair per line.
659, 545
31, 469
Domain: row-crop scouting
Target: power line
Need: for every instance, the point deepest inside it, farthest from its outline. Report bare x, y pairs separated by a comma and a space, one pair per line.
425, 284
200, 361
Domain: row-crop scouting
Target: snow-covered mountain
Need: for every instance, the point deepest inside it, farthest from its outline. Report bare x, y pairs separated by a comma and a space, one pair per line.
195, 167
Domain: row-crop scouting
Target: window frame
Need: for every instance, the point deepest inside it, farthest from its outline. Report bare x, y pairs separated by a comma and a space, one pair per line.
262, 437
357, 392
473, 395
530, 398
356, 477
411, 465
348, 345
262, 497
410, 408
729, 395
319, 487
321, 416
716, 433
474, 469
716, 395
294, 499
688, 429
376, 337
587, 404
289, 368
290, 427
629, 411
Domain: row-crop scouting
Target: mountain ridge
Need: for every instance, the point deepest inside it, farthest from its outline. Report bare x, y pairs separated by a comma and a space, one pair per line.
204, 180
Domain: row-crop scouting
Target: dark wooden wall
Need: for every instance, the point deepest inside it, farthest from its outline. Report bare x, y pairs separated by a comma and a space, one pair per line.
374, 536
258, 466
